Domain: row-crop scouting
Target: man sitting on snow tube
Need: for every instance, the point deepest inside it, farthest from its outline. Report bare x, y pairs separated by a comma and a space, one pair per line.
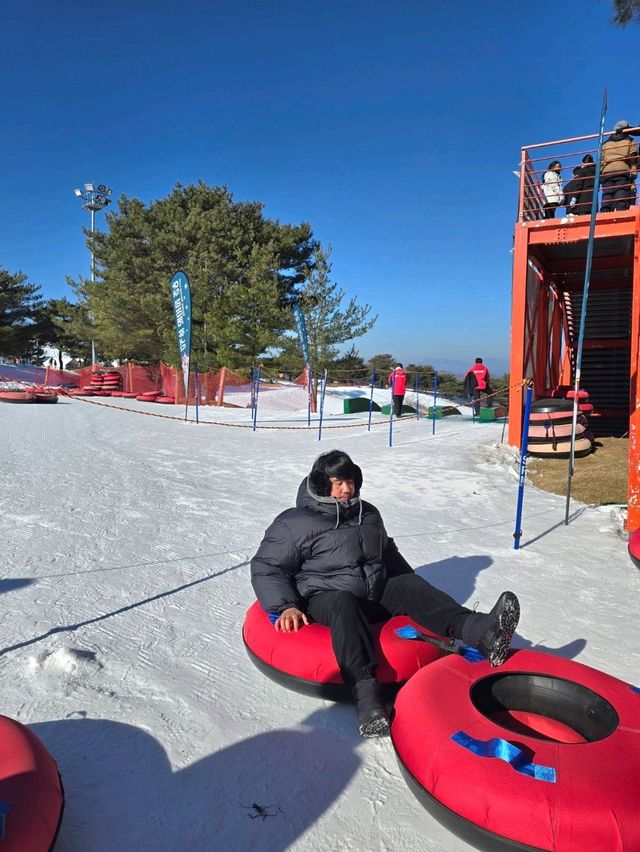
330, 559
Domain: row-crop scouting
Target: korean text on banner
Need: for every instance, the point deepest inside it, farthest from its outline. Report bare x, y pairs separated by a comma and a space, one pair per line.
181, 297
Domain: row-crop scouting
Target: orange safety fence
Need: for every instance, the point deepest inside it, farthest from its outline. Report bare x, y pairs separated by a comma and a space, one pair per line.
215, 387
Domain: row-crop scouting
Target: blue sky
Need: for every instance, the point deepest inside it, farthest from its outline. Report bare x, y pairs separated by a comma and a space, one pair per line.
392, 128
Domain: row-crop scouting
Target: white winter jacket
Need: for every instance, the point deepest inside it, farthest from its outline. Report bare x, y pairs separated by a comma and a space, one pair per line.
552, 187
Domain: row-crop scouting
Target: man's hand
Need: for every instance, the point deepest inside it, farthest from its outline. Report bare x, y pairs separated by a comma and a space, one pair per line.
291, 620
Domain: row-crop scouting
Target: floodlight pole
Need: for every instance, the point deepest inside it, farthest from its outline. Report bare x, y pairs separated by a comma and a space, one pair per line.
93, 199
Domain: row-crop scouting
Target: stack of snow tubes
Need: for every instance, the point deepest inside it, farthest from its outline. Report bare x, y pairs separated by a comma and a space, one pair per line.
96, 385
550, 427
112, 382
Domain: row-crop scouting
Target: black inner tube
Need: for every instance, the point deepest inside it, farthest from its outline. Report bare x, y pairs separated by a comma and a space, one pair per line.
567, 702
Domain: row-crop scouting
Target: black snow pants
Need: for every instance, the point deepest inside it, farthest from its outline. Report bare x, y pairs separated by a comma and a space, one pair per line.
349, 618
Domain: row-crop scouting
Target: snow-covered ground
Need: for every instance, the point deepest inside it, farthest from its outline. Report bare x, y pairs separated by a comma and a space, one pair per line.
126, 543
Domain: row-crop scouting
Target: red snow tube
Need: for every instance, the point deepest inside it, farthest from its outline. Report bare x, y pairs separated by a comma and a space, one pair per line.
31, 797
127, 395
46, 397
540, 754
561, 449
17, 396
555, 430
634, 548
305, 661
582, 394
166, 400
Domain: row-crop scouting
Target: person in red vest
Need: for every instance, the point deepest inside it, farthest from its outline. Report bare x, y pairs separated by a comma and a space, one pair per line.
398, 382
476, 383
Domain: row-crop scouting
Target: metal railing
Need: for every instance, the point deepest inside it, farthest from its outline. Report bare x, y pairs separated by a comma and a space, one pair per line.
577, 153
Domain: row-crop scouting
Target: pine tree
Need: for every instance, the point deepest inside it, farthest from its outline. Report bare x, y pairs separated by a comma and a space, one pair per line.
64, 326
328, 325
240, 265
19, 305
626, 12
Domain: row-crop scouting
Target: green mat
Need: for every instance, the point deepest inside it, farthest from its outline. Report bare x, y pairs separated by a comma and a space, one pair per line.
495, 413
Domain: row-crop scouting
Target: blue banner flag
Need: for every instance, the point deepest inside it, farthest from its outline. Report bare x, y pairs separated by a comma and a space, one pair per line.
181, 297
302, 333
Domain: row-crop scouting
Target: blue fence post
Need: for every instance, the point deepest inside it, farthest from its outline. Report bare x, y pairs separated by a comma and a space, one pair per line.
517, 535
309, 393
252, 404
255, 409
373, 378
393, 387
435, 396
196, 388
323, 382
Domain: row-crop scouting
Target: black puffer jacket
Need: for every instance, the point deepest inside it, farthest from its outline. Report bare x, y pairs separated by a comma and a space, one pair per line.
324, 545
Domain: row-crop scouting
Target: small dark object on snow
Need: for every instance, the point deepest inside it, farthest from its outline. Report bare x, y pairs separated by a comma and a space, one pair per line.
262, 811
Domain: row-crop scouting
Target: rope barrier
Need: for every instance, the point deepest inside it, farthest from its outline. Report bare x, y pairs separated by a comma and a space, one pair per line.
303, 428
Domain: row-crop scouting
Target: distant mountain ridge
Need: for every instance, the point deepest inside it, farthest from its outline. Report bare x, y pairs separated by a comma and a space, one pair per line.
497, 366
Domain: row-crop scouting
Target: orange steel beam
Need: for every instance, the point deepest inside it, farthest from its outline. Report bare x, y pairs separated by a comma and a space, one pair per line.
518, 316
633, 486
607, 225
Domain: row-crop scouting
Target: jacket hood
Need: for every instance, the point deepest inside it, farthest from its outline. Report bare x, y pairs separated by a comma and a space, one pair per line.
339, 509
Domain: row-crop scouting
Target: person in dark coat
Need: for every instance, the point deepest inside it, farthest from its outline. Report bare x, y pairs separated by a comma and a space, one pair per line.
330, 560
572, 190
585, 198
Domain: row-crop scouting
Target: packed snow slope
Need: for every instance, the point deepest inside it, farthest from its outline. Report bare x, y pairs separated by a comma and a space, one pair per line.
126, 542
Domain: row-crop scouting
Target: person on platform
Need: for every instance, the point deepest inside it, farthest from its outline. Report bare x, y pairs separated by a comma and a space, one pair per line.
552, 189
330, 560
572, 190
398, 383
585, 197
619, 169
476, 384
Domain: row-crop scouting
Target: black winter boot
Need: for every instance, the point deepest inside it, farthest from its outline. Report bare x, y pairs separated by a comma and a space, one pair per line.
491, 633
372, 716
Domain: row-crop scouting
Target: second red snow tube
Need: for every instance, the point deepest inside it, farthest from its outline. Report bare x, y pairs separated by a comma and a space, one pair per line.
17, 396
542, 753
31, 797
634, 548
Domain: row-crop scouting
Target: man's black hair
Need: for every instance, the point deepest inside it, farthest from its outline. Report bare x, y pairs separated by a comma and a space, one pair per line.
587, 158
478, 360
399, 365
334, 463
554, 163
577, 171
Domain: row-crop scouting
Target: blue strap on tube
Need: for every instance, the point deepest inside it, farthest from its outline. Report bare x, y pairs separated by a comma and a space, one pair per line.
504, 750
